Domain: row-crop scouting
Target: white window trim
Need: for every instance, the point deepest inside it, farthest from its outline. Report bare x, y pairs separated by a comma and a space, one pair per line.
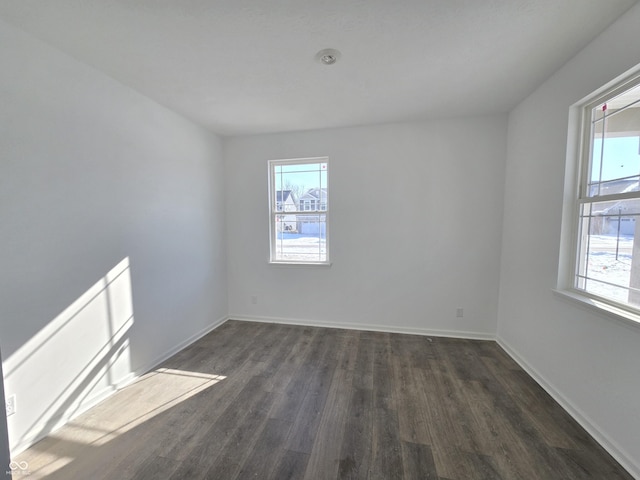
600, 306
273, 212
577, 141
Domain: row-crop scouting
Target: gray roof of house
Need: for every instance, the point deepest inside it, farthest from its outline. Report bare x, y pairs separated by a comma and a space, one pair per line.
315, 193
280, 194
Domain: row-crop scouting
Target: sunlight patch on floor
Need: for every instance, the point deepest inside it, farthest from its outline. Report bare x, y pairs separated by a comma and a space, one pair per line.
152, 394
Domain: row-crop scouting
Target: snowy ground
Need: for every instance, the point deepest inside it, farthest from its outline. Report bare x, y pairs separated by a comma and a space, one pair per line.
301, 248
603, 265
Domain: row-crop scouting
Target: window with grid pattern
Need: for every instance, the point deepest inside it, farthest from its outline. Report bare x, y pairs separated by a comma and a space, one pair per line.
298, 211
607, 258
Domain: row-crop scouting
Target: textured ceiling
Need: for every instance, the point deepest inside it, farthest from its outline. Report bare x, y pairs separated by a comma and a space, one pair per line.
248, 66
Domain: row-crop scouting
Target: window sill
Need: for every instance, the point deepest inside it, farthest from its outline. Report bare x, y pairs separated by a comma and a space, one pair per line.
300, 264
617, 313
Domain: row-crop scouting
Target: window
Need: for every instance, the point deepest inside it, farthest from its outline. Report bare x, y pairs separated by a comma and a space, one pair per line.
298, 213
607, 238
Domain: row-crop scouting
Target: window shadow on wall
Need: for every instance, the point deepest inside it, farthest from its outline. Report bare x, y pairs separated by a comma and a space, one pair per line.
80, 356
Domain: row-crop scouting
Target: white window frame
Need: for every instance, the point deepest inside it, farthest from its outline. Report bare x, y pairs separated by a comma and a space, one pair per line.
576, 178
304, 209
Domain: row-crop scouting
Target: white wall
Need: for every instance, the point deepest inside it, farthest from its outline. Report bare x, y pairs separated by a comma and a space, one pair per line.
415, 228
112, 224
587, 360
5, 455
115, 251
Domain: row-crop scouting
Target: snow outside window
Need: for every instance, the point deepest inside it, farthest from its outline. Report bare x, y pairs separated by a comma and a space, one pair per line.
298, 211
607, 247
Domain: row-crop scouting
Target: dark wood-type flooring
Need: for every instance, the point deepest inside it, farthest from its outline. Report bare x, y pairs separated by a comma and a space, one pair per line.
266, 401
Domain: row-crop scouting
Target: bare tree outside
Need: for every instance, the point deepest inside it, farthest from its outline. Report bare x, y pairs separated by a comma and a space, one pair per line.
296, 191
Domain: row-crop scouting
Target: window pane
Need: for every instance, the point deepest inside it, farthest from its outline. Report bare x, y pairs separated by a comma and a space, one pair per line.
305, 183
299, 167
300, 194
606, 249
301, 238
615, 165
296, 181
615, 145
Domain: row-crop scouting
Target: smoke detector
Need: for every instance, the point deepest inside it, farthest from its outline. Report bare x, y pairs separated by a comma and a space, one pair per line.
328, 56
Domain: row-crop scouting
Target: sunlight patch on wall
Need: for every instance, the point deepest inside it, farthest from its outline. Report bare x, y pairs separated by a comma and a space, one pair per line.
77, 357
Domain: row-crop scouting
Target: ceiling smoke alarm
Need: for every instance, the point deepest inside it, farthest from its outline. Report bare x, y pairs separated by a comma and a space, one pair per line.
328, 56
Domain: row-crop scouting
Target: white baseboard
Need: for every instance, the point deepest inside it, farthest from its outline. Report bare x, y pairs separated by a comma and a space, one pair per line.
51, 425
608, 444
182, 345
367, 327
585, 422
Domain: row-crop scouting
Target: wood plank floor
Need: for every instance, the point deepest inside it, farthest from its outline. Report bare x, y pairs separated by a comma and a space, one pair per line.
265, 401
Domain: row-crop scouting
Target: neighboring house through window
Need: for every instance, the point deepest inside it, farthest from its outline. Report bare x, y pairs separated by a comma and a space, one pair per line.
285, 201
298, 211
314, 199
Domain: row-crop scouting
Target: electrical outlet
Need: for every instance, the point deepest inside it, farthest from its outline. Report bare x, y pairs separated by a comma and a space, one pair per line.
459, 312
254, 299
11, 405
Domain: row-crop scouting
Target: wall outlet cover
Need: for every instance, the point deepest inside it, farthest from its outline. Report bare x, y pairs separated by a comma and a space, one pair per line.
11, 405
